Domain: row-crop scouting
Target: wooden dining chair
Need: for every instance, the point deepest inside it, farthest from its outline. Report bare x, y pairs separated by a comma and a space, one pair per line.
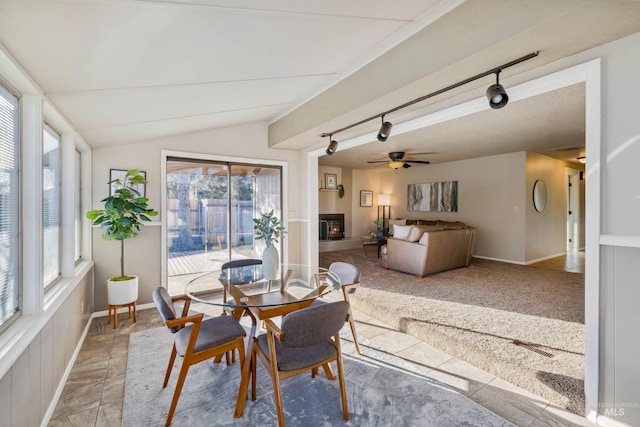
307, 339
349, 276
196, 340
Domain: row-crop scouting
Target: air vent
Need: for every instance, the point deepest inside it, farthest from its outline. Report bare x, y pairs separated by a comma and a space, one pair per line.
532, 347
562, 149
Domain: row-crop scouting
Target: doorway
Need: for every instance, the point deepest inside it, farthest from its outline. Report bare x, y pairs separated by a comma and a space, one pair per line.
575, 206
209, 210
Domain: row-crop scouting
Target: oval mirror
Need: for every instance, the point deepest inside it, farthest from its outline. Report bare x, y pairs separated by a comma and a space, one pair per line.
539, 195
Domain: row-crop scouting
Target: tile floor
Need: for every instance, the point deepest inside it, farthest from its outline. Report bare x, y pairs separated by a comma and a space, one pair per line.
572, 262
94, 392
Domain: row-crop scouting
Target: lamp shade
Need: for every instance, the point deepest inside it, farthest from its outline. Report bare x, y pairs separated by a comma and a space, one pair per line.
384, 199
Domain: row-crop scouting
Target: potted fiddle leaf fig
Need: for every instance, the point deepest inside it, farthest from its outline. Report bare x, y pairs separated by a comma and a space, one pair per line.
120, 219
269, 229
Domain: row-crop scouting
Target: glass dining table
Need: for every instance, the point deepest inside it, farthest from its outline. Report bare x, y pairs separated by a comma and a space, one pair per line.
243, 290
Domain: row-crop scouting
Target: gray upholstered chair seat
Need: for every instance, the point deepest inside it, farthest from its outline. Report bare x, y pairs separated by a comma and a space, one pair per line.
213, 332
292, 358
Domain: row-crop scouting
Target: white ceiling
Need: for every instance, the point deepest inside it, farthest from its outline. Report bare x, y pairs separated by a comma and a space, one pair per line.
124, 71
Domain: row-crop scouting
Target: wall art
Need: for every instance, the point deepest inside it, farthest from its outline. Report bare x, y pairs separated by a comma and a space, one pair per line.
433, 197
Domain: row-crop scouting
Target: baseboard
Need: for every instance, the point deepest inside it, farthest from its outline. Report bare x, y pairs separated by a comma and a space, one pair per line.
533, 261
509, 261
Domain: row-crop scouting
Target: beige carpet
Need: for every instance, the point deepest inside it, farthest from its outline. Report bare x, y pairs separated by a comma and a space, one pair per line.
476, 314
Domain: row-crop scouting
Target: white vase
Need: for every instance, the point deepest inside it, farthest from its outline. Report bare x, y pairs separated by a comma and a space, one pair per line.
270, 263
122, 292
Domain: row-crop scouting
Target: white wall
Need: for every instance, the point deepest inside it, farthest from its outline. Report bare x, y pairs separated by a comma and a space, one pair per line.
363, 216
545, 231
489, 191
143, 254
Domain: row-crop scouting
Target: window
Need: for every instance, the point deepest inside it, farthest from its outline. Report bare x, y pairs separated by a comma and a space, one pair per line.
78, 205
51, 183
210, 210
9, 205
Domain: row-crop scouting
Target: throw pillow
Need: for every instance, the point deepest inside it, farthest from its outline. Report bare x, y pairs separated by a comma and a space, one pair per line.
393, 222
401, 231
423, 239
417, 230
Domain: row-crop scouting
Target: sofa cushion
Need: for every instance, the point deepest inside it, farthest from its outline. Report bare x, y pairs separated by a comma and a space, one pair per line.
393, 222
418, 230
401, 231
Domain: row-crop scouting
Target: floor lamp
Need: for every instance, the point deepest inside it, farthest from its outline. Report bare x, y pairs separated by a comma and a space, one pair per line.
384, 202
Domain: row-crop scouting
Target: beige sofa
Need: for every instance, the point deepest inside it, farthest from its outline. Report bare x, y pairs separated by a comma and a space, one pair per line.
429, 249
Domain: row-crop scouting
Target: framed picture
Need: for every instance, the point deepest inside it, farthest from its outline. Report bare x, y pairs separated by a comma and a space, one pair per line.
366, 198
331, 181
120, 174
433, 197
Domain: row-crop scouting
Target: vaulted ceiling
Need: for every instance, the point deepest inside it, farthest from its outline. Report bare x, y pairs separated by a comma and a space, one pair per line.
124, 71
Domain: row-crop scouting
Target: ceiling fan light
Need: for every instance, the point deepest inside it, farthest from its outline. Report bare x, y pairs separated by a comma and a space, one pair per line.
582, 159
396, 164
384, 132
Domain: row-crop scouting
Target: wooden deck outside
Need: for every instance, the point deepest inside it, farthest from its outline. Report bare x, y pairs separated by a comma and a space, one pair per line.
183, 263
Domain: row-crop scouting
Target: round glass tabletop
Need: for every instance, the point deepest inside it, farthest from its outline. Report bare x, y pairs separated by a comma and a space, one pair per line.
245, 286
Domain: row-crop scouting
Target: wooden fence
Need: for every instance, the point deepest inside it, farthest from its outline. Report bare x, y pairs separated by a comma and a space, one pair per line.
209, 221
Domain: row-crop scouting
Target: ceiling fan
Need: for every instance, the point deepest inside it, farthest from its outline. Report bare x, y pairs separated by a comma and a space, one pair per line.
397, 160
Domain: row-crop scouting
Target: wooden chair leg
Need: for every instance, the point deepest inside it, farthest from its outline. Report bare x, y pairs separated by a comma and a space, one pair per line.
170, 367
328, 372
254, 364
176, 394
343, 390
314, 372
277, 395
353, 332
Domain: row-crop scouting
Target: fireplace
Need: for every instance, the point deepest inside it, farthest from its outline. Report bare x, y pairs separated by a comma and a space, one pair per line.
331, 226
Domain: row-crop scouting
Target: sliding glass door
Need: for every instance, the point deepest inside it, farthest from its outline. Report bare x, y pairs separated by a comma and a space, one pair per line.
210, 211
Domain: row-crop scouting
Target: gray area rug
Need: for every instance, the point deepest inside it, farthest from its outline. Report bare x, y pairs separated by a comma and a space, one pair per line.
476, 313
381, 391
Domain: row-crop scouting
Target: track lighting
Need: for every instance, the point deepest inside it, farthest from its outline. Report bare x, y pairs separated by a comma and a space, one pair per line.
333, 146
496, 94
385, 130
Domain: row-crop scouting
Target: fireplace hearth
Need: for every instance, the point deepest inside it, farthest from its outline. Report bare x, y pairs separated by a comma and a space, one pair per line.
331, 226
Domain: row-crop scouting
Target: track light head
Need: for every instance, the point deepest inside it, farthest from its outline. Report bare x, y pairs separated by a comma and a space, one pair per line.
496, 94
333, 146
384, 131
